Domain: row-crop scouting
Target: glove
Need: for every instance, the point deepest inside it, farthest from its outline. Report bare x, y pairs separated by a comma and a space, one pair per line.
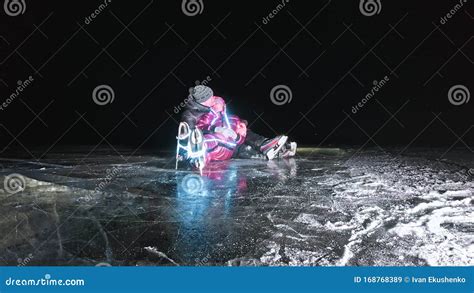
227, 132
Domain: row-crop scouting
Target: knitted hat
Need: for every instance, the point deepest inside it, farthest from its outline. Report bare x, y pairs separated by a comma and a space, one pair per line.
202, 93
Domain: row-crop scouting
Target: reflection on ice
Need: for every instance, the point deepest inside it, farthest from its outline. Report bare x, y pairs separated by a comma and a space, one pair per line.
326, 207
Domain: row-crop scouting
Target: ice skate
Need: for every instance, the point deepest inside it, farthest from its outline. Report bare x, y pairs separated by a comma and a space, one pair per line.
190, 147
197, 152
183, 143
288, 150
272, 147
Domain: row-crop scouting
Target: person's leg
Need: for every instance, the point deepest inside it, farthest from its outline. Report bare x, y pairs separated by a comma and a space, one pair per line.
218, 147
270, 147
254, 140
245, 151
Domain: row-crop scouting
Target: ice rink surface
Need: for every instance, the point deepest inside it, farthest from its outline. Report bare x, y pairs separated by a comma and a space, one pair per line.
325, 207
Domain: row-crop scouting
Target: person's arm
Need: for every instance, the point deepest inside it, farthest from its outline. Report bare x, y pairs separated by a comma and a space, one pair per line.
189, 118
227, 132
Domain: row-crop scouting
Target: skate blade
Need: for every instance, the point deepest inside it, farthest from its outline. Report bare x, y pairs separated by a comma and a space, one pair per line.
271, 154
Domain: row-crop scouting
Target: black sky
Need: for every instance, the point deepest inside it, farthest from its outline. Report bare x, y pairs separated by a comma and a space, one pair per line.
149, 52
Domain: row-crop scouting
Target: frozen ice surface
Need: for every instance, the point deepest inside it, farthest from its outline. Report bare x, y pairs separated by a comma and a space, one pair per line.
326, 207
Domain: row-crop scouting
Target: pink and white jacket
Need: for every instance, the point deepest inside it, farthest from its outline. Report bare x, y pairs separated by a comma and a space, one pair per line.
211, 116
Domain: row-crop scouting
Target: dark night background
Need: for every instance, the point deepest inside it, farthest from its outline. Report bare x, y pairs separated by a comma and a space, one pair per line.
150, 52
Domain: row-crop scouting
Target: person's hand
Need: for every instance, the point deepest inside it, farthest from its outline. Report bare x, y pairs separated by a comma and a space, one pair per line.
227, 132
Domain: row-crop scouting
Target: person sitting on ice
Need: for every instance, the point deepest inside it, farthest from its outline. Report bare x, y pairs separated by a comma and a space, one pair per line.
206, 133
